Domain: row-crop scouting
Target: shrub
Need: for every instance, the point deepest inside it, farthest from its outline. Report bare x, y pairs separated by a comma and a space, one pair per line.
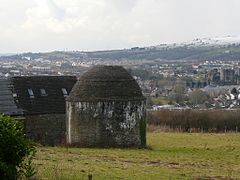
16, 152
196, 120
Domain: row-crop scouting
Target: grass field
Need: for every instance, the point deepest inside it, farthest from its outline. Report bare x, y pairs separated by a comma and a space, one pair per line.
169, 156
162, 100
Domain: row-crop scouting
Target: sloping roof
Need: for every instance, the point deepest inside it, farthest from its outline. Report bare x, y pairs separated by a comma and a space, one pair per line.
106, 83
7, 102
51, 100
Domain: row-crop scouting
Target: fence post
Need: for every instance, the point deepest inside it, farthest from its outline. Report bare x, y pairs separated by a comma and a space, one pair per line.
90, 177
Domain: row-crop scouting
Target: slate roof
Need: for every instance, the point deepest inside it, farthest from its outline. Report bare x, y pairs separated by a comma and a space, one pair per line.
35, 95
7, 102
38, 103
103, 83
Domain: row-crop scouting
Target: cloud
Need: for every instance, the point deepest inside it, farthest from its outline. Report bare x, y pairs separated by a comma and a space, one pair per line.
42, 25
45, 14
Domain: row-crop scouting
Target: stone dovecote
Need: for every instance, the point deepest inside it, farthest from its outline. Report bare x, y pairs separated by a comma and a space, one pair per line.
106, 108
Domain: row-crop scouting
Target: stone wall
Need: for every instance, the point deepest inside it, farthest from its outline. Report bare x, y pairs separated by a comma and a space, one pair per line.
106, 124
47, 129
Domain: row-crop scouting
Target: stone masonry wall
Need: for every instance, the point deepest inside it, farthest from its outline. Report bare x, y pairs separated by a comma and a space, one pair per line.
106, 124
47, 129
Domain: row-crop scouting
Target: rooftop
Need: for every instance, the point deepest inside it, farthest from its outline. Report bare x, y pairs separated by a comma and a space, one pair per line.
34, 94
106, 83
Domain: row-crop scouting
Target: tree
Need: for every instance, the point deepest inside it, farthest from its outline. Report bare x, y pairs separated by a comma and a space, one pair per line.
179, 91
198, 97
16, 151
149, 102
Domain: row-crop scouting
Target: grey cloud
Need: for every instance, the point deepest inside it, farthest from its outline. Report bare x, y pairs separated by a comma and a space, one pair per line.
57, 11
108, 24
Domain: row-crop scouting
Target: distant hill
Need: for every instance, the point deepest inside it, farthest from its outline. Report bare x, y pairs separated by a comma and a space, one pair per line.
219, 48
7, 54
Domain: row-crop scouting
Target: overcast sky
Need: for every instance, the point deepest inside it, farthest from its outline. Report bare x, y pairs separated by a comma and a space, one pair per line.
46, 25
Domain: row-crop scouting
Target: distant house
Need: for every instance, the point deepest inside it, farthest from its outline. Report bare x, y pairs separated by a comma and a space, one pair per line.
39, 101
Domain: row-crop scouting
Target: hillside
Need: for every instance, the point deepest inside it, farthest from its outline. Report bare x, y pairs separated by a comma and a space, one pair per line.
225, 48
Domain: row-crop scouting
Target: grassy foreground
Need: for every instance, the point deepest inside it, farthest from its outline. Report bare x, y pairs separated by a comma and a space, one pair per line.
170, 156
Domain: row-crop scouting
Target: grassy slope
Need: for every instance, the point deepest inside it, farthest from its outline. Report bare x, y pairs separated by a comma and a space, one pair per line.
173, 156
162, 100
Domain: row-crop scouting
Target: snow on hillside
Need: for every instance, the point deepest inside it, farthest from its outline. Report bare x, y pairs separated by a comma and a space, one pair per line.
215, 41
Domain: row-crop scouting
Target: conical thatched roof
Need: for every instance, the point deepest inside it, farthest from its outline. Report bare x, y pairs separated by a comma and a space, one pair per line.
105, 83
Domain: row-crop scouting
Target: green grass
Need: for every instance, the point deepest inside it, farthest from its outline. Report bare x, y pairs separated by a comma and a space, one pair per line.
162, 100
169, 156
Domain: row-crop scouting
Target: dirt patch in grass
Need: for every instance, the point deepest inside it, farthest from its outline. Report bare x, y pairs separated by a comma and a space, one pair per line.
215, 178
